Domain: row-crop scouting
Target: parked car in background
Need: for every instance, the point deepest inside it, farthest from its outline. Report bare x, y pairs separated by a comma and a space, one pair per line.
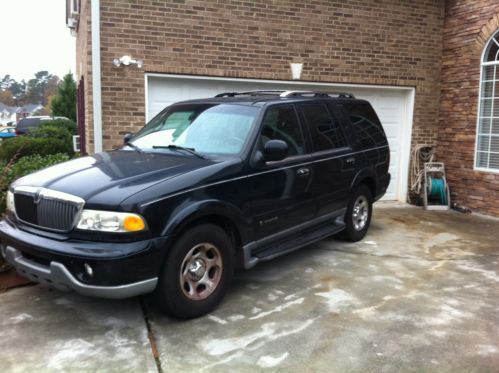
7, 133
28, 124
205, 187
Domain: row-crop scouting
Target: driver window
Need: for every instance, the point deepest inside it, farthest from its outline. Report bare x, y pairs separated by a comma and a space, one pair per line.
281, 123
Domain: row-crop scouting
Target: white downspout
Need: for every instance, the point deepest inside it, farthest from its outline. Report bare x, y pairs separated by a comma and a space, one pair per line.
96, 75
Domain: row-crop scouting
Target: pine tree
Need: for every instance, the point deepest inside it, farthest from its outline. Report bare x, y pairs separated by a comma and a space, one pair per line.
64, 102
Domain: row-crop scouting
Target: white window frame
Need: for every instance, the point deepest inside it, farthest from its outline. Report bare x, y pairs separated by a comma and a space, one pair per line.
495, 97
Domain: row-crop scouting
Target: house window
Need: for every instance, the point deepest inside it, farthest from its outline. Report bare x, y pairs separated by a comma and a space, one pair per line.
487, 144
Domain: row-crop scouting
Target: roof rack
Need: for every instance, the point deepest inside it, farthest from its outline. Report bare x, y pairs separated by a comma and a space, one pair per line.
316, 94
282, 93
250, 93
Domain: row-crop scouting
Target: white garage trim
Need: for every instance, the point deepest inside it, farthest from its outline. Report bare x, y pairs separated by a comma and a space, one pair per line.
405, 154
406, 100
96, 76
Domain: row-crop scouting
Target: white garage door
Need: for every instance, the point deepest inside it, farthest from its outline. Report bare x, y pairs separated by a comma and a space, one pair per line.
393, 105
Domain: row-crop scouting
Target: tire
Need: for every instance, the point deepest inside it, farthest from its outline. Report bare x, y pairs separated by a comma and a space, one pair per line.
197, 272
358, 215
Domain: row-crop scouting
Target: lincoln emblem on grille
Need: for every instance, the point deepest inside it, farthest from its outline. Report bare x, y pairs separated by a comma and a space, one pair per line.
37, 196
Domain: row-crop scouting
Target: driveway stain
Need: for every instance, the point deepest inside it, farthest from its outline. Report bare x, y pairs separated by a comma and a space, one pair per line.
419, 293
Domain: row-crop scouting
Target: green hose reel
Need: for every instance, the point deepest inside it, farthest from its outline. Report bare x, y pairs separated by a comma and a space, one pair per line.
436, 190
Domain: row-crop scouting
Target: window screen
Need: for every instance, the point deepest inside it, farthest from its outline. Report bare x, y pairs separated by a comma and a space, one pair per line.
487, 145
326, 131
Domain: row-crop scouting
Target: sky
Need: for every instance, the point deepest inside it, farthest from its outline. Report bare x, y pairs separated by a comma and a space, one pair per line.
34, 37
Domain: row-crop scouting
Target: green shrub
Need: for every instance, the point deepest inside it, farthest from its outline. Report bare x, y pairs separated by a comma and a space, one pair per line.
53, 132
27, 165
67, 124
56, 129
25, 146
24, 166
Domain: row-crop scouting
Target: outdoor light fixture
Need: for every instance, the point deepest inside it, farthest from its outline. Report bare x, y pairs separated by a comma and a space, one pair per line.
296, 69
127, 60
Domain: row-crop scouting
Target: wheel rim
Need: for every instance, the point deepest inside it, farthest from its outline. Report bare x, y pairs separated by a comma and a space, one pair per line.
201, 271
360, 213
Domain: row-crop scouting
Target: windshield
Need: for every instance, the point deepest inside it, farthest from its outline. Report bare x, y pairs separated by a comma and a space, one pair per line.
205, 128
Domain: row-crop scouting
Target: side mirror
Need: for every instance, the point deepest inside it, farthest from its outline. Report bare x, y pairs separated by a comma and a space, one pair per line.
275, 150
128, 136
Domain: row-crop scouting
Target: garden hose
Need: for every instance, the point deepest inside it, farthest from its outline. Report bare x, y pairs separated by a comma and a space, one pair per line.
437, 189
420, 155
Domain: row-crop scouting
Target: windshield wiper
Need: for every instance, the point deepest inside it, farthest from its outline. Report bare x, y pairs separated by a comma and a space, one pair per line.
178, 147
134, 147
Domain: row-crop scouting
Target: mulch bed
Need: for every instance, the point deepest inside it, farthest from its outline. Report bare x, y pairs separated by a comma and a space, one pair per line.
10, 279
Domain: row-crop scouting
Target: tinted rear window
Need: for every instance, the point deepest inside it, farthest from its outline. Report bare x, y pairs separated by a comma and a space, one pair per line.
366, 124
325, 130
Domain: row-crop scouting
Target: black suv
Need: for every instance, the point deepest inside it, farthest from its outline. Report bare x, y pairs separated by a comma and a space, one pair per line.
205, 187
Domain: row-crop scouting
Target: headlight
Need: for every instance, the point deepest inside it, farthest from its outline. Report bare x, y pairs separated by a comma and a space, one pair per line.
108, 221
10, 202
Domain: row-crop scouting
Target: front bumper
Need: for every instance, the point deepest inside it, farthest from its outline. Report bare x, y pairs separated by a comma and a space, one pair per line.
119, 270
58, 276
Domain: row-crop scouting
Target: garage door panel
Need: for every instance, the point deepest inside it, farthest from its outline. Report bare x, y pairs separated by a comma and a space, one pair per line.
391, 131
388, 103
394, 148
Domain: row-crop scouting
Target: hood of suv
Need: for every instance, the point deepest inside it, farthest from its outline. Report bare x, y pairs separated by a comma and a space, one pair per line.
106, 179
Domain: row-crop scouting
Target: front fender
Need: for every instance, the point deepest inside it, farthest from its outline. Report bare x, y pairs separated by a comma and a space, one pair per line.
190, 211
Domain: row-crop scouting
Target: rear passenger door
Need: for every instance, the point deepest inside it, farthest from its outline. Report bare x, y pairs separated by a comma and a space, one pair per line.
332, 155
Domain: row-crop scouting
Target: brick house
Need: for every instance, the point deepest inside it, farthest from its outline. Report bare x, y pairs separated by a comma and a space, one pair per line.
418, 62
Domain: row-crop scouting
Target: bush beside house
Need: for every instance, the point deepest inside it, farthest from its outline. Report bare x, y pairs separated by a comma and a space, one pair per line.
51, 137
50, 144
25, 166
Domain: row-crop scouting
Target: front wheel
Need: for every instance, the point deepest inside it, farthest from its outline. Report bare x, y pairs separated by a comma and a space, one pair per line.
197, 272
358, 215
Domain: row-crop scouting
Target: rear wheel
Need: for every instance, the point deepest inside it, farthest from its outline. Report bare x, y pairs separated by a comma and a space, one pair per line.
358, 215
197, 272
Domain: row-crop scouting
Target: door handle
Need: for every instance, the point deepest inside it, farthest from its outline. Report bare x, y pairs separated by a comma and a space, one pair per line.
350, 160
303, 172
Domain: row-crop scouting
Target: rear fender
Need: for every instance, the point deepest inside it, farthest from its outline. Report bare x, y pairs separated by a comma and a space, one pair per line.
362, 175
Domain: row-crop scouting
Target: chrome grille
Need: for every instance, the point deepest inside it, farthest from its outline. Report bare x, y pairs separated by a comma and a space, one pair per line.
55, 214
46, 208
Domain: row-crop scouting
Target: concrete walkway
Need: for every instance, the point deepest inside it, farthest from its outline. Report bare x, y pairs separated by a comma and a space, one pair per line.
419, 293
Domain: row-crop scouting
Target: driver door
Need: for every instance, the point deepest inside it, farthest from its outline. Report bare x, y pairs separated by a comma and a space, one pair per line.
282, 191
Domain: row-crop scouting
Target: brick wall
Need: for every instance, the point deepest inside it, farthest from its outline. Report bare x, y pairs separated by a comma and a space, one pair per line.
389, 42
468, 26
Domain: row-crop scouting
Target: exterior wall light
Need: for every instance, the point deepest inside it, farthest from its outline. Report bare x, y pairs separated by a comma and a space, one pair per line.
296, 69
127, 60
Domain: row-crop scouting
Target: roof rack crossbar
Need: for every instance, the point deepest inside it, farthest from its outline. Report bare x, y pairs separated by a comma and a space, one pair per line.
283, 93
316, 94
250, 93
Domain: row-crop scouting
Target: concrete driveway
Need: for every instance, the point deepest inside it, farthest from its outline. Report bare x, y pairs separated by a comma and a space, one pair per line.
419, 293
